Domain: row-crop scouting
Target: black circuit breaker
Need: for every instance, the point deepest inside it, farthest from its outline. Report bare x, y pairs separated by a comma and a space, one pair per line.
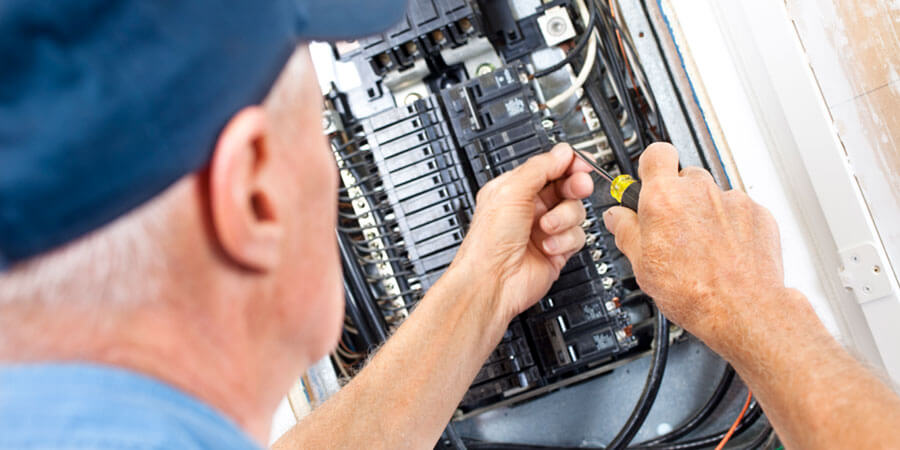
429, 27
432, 156
495, 121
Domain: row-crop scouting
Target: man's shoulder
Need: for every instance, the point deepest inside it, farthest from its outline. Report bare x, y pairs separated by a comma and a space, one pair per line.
79, 406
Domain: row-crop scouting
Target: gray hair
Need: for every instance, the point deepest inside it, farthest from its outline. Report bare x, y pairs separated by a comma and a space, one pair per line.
116, 264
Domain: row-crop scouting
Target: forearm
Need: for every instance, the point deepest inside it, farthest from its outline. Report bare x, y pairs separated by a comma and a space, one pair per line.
405, 396
815, 394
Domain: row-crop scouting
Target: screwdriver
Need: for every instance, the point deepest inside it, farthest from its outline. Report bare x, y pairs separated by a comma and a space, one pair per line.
624, 188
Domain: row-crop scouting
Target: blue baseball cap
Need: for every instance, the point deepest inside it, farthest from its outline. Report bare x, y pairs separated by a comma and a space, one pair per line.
106, 103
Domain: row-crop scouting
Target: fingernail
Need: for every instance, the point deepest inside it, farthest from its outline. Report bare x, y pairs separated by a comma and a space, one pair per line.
550, 245
550, 223
559, 151
607, 218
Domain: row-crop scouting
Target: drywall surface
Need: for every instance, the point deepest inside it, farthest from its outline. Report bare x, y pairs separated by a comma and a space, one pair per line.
854, 51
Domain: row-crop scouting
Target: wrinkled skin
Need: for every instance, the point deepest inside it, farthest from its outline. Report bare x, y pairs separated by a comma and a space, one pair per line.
701, 253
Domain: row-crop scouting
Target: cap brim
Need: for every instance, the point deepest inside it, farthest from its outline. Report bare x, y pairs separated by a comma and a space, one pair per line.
330, 20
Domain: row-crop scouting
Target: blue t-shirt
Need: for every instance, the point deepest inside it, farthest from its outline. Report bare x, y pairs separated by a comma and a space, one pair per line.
79, 406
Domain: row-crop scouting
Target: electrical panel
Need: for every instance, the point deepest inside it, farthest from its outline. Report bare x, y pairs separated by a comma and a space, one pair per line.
448, 100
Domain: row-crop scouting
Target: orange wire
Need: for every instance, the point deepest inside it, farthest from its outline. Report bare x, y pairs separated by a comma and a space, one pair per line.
612, 12
736, 422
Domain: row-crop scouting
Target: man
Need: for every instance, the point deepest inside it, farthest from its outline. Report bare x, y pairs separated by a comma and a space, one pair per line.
171, 268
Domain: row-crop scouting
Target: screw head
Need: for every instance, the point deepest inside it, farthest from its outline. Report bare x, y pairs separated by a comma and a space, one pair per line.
557, 26
607, 282
602, 268
411, 98
484, 69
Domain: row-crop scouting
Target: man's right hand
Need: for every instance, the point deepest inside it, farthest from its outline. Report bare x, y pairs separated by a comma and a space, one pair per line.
706, 256
712, 261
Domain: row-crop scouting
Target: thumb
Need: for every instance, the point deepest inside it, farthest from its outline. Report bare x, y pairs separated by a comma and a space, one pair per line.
623, 224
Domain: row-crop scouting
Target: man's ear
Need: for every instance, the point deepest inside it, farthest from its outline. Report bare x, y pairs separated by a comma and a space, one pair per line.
242, 192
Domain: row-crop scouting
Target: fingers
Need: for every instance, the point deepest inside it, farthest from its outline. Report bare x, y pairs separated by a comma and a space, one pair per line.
563, 243
659, 160
697, 174
623, 223
531, 177
559, 234
578, 185
567, 214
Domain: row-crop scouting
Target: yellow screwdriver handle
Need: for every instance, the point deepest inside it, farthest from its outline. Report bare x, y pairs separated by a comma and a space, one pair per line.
626, 190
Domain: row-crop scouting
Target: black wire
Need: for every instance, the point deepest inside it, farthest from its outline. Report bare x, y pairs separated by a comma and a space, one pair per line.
356, 316
753, 414
384, 225
380, 278
372, 250
664, 134
391, 235
571, 112
761, 439
365, 164
579, 47
651, 386
359, 182
354, 276
618, 66
702, 414
619, 73
471, 444
387, 299
353, 215
643, 74
366, 195
379, 260
453, 438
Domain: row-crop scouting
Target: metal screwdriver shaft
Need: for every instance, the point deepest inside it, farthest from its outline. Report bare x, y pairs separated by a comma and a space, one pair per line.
625, 189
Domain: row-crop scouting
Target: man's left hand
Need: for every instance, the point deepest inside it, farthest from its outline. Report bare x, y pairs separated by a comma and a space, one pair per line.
527, 224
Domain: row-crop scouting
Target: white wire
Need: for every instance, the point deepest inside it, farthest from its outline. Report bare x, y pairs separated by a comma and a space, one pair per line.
586, 69
584, 145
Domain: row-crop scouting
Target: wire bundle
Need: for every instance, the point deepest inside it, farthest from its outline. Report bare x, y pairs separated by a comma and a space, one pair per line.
621, 96
369, 230
612, 78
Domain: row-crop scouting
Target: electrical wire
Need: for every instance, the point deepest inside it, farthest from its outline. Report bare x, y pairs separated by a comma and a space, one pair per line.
592, 39
736, 422
702, 414
754, 412
583, 145
764, 439
610, 31
579, 47
616, 71
612, 12
642, 74
651, 386
582, 77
